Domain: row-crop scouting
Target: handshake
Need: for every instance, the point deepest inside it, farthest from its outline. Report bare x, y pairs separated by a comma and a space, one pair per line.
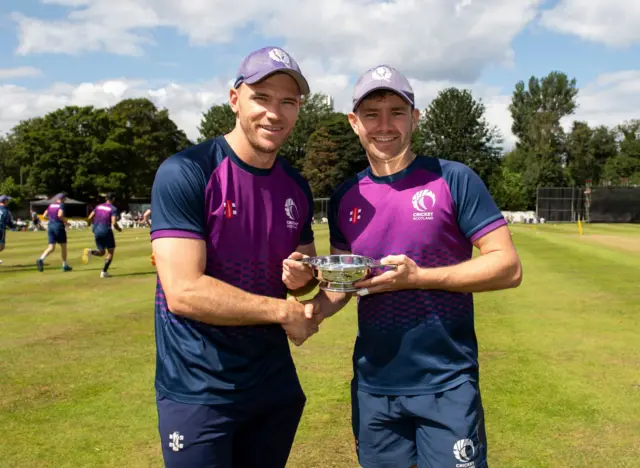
301, 320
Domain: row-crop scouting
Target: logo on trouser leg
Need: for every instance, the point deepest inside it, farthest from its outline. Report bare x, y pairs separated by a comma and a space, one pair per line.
175, 444
464, 450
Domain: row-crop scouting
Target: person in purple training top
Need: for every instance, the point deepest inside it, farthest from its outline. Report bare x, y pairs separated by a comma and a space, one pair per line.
104, 219
57, 232
230, 221
415, 392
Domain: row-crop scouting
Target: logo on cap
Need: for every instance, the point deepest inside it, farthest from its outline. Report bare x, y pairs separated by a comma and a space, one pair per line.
280, 55
381, 73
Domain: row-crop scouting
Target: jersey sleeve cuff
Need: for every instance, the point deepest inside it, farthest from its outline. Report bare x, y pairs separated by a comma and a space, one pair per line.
488, 228
176, 234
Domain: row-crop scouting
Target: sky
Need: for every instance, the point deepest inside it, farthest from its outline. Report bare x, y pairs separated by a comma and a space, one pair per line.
184, 55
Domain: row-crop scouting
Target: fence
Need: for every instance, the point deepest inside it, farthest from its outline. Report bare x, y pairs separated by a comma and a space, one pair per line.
560, 204
592, 204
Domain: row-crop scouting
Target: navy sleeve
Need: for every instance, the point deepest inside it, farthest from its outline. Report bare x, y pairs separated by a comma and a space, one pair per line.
114, 212
177, 199
63, 210
336, 238
476, 210
9, 221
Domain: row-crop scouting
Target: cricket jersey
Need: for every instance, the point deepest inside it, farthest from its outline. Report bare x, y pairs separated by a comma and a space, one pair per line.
55, 223
6, 221
102, 217
414, 341
250, 219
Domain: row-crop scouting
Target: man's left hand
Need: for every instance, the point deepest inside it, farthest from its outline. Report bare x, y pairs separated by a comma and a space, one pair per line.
296, 274
404, 276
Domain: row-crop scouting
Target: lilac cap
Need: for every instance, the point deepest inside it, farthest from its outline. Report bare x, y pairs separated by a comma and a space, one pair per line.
383, 77
4, 198
264, 62
60, 196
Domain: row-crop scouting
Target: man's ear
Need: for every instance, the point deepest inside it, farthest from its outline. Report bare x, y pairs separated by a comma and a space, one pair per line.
234, 98
353, 120
415, 120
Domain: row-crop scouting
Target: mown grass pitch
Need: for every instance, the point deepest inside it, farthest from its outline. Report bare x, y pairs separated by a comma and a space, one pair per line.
560, 357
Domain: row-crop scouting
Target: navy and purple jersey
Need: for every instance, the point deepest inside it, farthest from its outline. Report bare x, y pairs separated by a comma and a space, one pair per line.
414, 341
251, 220
52, 214
102, 217
6, 220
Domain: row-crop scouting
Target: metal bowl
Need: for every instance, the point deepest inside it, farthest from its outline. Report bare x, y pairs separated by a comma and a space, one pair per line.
340, 272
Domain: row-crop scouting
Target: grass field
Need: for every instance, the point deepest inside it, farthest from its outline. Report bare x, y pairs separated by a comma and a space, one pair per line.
560, 358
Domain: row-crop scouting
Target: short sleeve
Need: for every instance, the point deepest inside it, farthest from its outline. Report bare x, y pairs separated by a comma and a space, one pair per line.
62, 208
336, 238
177, 199
114, 212
477, 212
9, 222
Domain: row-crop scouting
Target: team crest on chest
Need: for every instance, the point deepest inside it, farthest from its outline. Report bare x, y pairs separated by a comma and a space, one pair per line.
423, 202
293, 215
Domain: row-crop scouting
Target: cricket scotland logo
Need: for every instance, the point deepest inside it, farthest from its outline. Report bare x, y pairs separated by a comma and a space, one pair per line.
291, 210
465, 452
382, 73
423, 202
280, 55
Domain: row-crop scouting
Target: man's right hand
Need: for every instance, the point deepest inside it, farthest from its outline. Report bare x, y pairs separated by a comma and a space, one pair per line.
299, 322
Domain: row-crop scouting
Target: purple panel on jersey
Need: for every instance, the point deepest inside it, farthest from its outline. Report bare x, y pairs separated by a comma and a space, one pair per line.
52, 215
414, 341
52, 212
103, 214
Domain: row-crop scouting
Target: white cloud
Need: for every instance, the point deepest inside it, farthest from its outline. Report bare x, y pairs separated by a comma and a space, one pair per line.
18, 72
612, 22
438, 39
609, 100
186, 103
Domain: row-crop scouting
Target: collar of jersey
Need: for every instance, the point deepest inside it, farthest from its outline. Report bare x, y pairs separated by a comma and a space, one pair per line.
240, 163
389, 179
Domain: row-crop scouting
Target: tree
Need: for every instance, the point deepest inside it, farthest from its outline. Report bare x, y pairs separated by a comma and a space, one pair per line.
85, 151
52, 148
621, 167
581, 163
218, 120
334, 154
9, 187
537, 113
140, 138
454, 127
508, 190
630, 133
625, 165
313, 112
553, 97
8, 164
604, 147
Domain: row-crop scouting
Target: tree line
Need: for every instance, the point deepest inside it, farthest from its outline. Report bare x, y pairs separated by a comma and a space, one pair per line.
87, 151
